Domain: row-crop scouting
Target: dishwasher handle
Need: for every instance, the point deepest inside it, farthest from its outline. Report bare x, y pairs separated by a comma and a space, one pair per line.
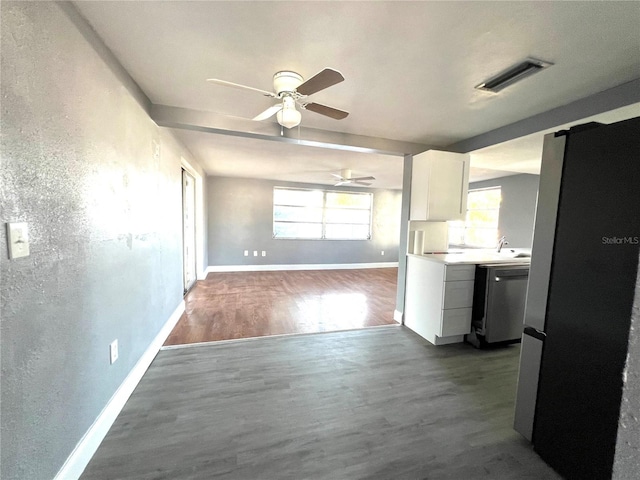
501, 275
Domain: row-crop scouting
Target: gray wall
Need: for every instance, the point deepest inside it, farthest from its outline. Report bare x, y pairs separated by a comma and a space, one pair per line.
240, 217
518, 208
627, 459
104, 221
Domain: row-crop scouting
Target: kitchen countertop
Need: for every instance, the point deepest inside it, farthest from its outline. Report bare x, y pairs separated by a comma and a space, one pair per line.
478, 257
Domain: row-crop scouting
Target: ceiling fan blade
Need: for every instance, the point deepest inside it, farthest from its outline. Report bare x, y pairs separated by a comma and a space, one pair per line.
339, 177
320, 81
237, 85
342, 183
356, 179
269, 112
363, 183
326, 111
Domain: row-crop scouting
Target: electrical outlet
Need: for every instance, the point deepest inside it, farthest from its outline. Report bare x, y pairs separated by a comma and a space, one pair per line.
264, 253
113, 351
381, 252
246, 253
255, 253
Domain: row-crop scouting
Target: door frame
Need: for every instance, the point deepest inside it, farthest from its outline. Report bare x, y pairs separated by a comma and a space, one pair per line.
200, 225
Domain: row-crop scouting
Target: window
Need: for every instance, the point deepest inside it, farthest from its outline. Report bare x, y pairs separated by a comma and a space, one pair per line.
318, 214
480, 229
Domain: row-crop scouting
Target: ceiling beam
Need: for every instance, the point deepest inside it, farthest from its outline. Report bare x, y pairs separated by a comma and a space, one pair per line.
616, 97
209, 122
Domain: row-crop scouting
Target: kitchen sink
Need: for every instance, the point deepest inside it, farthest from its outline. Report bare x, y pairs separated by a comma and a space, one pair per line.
504, 253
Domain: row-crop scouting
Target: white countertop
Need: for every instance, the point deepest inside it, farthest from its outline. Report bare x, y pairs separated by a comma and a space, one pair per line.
478, 256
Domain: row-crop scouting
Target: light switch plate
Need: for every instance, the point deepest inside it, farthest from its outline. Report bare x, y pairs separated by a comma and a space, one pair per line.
18, 240
113, 351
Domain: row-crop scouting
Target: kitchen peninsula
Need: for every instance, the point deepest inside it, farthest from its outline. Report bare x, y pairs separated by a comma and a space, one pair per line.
440, 288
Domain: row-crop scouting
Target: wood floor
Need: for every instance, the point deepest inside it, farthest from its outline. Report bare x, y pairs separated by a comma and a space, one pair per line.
254, 304
366, 404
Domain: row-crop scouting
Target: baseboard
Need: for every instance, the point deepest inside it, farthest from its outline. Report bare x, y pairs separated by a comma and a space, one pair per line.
87, 446
201, 275
305, 266
397, 316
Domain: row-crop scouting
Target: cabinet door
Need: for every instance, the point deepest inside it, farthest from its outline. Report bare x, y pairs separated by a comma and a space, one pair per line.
439, 186
448, 187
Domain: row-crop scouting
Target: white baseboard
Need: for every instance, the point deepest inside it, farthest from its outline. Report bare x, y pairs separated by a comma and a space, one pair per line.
87, 446
397, 316
306, 266
201, 275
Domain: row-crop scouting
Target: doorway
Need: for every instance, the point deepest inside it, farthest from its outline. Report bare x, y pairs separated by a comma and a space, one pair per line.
188, 230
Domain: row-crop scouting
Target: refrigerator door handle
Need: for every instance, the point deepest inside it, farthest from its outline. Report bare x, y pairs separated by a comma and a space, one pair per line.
535, 333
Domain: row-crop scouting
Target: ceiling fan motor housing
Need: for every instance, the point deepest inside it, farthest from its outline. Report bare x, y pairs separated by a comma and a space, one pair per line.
286, 81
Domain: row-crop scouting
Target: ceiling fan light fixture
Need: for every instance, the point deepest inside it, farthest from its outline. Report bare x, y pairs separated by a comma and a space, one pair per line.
289, 117
286, 81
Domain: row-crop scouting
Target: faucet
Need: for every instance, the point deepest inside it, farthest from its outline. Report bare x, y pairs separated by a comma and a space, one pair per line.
502, 241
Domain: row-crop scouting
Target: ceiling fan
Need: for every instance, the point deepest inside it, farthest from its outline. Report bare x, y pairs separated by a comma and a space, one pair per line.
345, 178
291, 89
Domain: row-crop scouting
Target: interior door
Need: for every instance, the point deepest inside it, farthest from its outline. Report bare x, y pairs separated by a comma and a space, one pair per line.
188, 229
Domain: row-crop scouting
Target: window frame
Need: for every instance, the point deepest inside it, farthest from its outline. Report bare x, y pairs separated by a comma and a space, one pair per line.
324, 209
466, 225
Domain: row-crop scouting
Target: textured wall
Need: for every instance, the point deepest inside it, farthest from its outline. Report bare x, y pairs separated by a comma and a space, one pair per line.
518, 208
627, 459
241, 218
104, 217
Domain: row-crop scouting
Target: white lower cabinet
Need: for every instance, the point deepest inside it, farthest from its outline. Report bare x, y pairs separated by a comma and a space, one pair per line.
455, 321
438, 300
458, 294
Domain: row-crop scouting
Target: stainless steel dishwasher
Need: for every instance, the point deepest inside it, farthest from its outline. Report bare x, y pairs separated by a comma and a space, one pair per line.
498, 304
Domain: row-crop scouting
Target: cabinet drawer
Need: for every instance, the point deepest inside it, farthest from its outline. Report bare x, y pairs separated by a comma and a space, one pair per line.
459, 272
456, 321
458, 294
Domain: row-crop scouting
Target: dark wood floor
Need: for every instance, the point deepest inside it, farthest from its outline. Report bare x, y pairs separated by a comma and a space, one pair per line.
253, 304
376, 403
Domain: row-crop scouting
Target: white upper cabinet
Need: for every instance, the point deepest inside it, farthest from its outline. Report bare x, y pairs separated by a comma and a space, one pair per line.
439, 184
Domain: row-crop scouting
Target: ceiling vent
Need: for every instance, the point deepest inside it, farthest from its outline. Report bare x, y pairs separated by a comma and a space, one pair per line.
513, 74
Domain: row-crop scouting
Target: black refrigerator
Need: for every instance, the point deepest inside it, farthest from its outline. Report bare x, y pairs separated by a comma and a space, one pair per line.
580, 294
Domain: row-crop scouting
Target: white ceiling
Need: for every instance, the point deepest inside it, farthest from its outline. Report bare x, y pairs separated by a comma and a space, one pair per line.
229, 156
410, 69
523, 155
